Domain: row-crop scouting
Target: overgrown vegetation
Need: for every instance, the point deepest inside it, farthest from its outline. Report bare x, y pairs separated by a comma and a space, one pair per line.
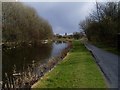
77, 70
33, 72
22, 24
103, 24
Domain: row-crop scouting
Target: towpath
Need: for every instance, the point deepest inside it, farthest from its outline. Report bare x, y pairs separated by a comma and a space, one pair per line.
108, 63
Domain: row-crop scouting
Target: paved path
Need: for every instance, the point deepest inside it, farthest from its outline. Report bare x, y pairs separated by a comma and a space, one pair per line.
108, 63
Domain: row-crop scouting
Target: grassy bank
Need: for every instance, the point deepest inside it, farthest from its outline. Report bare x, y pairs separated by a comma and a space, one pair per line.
108, 48
77, 70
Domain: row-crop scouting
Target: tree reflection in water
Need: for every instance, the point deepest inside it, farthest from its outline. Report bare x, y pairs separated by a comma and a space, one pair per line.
24, 61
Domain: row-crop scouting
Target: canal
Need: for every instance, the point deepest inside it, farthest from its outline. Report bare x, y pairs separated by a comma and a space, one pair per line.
18, 59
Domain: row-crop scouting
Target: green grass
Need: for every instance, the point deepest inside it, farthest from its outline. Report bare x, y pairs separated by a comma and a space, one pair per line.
105, 47
77, 70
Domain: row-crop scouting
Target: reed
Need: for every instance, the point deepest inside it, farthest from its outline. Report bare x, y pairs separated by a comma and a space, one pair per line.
33, 73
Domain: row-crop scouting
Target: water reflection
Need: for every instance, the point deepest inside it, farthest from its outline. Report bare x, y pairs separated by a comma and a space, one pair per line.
20, 57
58, 47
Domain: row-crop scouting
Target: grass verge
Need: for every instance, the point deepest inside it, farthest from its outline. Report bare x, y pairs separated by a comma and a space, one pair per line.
108, 48
77, 70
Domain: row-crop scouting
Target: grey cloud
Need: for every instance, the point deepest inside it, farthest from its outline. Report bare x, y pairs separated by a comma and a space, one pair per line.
64, 17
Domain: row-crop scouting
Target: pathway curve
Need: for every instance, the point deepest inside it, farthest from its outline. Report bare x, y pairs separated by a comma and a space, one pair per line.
108, 63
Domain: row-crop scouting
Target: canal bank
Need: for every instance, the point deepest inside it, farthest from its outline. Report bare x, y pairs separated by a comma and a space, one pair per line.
77, 70
17, 78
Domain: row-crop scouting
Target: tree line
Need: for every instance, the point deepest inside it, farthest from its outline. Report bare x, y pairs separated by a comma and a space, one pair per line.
74, 35
21, 23
103, 24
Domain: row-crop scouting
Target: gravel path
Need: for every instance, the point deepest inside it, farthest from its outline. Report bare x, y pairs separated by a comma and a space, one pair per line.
108, 63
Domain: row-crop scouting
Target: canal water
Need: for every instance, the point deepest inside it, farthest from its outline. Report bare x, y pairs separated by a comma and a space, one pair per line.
19, 58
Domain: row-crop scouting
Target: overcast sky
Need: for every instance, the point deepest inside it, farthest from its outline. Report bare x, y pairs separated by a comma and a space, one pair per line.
63, 16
